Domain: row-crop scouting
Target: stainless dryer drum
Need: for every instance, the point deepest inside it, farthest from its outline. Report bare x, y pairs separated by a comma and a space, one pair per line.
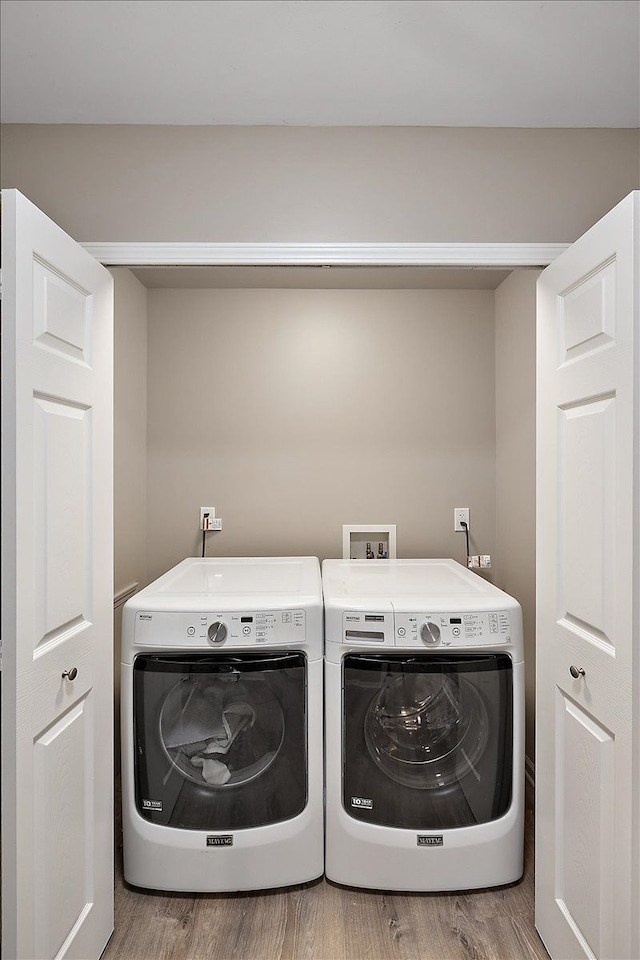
220, 739
221, 731
427, 739
427, 730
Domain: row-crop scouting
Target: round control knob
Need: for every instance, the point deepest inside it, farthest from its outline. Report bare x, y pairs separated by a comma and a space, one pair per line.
217, 632
430, 633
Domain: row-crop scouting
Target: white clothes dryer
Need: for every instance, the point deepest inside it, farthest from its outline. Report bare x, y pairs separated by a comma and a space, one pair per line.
424, 738
222, 761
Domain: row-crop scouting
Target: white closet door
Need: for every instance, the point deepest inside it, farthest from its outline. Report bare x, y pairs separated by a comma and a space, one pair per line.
57, 593
588, 594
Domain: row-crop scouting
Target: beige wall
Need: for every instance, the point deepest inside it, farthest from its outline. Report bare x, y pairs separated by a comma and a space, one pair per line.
295, 411
515, 344
130, 429
130, 447
314, 184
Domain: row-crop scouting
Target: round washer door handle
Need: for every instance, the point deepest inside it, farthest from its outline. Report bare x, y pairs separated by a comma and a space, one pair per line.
576, 672
70, 674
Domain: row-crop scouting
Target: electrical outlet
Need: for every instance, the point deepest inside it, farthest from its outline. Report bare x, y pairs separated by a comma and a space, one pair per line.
460, 514
207, 515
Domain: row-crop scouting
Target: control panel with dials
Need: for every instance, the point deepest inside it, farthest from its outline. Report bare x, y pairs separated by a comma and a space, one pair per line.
215, 630
429, 630
426, 630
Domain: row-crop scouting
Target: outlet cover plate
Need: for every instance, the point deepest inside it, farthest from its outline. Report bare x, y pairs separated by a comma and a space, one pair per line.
459, 514
206, 524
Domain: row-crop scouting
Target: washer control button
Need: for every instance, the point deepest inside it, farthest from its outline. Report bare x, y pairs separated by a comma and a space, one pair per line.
455, 631
430, 633
401, 631
217, 632
191, 631
246, 630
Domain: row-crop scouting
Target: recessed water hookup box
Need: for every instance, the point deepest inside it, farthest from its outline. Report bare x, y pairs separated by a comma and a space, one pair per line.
369, 541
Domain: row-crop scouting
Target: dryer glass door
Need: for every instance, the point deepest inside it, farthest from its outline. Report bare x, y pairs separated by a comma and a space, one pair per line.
220, 741
427, 740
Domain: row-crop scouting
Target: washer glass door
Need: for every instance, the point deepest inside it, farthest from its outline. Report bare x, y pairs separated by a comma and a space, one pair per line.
427, 740
220, 740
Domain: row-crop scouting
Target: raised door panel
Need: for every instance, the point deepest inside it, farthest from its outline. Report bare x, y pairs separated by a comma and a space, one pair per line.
61, 313
587, 315
586, 508
586, 811
62, 494
63, 779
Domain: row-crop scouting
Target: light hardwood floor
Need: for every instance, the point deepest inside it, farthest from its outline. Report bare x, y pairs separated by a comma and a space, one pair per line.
323, 921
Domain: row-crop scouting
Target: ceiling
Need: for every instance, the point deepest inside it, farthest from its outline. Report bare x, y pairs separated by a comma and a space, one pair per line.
479, 63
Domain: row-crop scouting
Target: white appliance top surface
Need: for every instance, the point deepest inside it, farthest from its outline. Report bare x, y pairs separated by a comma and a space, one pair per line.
267, 581
413, 583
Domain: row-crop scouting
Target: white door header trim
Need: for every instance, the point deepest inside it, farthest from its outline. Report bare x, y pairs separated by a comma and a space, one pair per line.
334, 254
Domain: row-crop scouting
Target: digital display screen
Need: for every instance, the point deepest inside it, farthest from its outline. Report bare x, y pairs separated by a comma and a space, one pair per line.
246, 619
455, 619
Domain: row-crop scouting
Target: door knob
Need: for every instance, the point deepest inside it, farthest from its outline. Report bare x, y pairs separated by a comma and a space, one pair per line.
70, 674
576, 672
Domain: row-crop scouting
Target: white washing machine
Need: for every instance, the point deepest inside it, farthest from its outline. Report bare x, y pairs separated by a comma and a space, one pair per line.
424, 739
222, 760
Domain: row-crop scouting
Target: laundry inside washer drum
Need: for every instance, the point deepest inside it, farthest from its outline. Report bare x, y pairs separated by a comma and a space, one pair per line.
426, 730
221, 732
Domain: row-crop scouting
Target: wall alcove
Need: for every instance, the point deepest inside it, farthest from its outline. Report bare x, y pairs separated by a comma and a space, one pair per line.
298, 397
